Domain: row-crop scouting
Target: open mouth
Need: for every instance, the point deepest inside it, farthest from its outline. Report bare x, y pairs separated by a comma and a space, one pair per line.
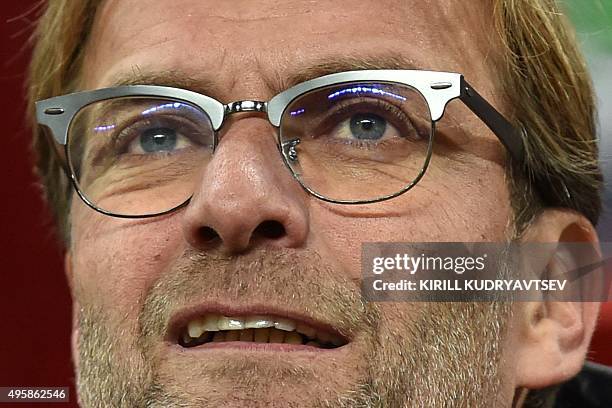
215, 328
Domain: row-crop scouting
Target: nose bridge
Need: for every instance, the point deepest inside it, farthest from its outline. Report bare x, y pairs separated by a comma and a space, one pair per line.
242, 160
245, 189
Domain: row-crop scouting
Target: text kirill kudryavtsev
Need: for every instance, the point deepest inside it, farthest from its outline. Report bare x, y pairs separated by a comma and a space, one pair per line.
509, 285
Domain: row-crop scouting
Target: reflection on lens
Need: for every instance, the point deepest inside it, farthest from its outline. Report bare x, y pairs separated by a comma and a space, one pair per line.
138, 156
357, 141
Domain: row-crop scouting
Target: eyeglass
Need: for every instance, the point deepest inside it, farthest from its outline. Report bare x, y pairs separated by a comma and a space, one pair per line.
353, 137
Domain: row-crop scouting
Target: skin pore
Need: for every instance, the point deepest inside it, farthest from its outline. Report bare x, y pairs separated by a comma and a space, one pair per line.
130, 277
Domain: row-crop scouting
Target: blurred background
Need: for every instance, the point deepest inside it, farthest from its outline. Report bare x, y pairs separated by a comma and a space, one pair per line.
593, 21
35, 305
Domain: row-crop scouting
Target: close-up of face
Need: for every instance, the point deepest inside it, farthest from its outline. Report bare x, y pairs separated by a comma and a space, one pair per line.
249, 293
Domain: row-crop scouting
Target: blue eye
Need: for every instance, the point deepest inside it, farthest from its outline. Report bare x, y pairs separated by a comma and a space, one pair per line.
158, 140
367, 126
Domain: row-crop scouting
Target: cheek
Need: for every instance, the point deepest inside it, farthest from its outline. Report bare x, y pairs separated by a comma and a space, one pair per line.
115, 261
463, 207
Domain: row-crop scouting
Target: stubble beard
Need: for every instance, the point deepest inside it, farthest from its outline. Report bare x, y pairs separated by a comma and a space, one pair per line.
437, 355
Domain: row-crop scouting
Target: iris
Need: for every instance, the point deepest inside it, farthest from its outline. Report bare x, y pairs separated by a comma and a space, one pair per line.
158, 140
368, 126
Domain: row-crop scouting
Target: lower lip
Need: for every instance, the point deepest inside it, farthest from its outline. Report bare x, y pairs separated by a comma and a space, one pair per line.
250, 346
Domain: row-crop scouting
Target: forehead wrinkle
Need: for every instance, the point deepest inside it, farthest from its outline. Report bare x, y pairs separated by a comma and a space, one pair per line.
329, 64
170, 77
269, 72
274, 83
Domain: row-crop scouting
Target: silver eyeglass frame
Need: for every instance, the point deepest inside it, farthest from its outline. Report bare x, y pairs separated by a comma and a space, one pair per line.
437, 88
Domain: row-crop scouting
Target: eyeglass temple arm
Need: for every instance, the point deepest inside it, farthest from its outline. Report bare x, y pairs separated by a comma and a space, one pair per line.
551, 189
505, 132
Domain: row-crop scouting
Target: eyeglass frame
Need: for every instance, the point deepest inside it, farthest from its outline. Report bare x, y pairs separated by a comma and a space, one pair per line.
436, 87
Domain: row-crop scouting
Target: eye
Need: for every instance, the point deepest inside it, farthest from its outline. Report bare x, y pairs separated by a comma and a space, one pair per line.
154, 140
367, 126
157, 140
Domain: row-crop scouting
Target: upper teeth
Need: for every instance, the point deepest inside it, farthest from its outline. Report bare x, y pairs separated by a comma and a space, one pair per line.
215, 323
200, 325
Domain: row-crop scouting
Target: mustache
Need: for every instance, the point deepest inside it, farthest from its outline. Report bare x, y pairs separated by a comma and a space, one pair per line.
296, 280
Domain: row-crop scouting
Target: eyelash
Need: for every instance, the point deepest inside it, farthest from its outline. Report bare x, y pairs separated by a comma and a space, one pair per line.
129, 132
349, 109
344, 110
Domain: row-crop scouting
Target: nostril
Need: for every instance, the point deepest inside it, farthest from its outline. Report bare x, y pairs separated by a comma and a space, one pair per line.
208, 234
270, 229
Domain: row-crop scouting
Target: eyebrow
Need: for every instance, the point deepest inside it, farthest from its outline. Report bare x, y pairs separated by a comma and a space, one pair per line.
280, 81
171, 78
341, 63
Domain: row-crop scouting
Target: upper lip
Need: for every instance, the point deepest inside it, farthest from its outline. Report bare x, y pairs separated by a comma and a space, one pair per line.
182, 317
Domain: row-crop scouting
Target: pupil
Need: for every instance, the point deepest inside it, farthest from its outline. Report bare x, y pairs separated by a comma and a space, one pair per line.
158, 140
368, 126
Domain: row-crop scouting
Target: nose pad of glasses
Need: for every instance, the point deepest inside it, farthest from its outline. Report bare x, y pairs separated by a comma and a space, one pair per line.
289, 150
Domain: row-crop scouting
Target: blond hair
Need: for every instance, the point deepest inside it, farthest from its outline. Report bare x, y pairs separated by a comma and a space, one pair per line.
542, 76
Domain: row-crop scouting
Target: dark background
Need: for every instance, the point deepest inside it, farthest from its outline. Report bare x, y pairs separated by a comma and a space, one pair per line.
35, 308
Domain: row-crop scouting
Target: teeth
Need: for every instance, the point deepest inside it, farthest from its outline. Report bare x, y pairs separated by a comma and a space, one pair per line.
293, 338
211, 323
306, 330
255, 328
257, 322
246, 335
261, 335
284, 324
276, 336
196, 328
232, 335
230, 323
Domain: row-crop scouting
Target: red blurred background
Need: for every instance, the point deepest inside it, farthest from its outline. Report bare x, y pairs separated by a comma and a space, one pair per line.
34, 299
35, 309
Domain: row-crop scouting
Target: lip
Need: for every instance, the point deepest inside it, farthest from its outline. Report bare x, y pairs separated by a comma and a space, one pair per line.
181, 318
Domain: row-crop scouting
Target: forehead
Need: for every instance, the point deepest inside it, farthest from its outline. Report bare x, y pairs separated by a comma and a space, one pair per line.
248, 44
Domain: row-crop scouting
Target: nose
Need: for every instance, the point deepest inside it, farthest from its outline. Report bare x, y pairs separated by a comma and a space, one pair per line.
246, 196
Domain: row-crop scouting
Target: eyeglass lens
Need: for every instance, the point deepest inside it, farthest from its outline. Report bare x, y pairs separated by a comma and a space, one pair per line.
138, 156
357, 141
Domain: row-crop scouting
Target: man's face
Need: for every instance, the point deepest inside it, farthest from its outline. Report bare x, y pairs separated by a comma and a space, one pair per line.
252, 242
